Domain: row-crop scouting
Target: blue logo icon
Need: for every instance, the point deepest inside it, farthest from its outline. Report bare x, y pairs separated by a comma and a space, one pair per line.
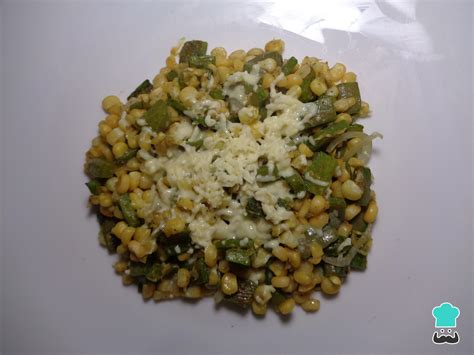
445, 316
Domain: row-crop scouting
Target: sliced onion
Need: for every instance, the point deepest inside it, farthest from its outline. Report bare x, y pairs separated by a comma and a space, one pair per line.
343, 137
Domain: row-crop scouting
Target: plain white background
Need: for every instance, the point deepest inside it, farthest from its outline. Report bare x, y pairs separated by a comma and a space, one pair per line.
59, 293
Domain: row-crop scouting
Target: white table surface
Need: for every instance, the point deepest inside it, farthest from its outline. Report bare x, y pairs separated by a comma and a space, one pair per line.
59, 293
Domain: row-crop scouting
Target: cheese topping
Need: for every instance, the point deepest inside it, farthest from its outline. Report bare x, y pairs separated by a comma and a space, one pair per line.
228, 158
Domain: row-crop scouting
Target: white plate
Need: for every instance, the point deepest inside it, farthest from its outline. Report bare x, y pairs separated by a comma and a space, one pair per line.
59, 291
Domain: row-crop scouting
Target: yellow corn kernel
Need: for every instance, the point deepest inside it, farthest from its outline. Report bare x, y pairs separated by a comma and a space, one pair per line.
351, 191
364, 109
183, 277
276, 45
223, 72
115, 135
293, 79
248, 115
259, 309
318, 205
223, 266
337, 72
280, 281
123, 183
263, 294
371, 214
229, 284
174, 226
344, 104
193, 292
137, 249
318, 86
331, 285
294, 258
278, 268
320, 220
304, 149
344, 117
171, 62
301, 298
109, 102
349, 77
344, 229
351, 211
210, 255
333, 91
223, 62
237, 54
142, 233
145, 182
104, 129
311, 305
134, 179
356, 163
185, 203
188, 95
287, 306
127, 280
119, 149
336, 188
255, 52
219, 52
303, 276
281, 253
105, 199
148, 290
304, 208
267, 80
120, 266
238, 65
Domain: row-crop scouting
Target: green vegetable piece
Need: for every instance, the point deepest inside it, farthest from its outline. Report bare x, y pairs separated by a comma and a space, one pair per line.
324, 112
263, 170
100, 168
178, 106
358, 223
328, 236
217, 94
137, 269
286, 203
331, 130
289, 66
157, 116
355, 128
172, 75
254, 208
201, 61
259, 97
296, 183
128, 211
338, 204
277, 298
231, 243
359, 262
198, 144
335, 270
321, 168
274, 55
137, 105
181, 82
262, 113
306, 94
268, 276
239, 256
244, 296
131, 153
365, 199
332, 250
351, 90
153, 272
143, 88
202, 272
192, 48
111, 241
94, 186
